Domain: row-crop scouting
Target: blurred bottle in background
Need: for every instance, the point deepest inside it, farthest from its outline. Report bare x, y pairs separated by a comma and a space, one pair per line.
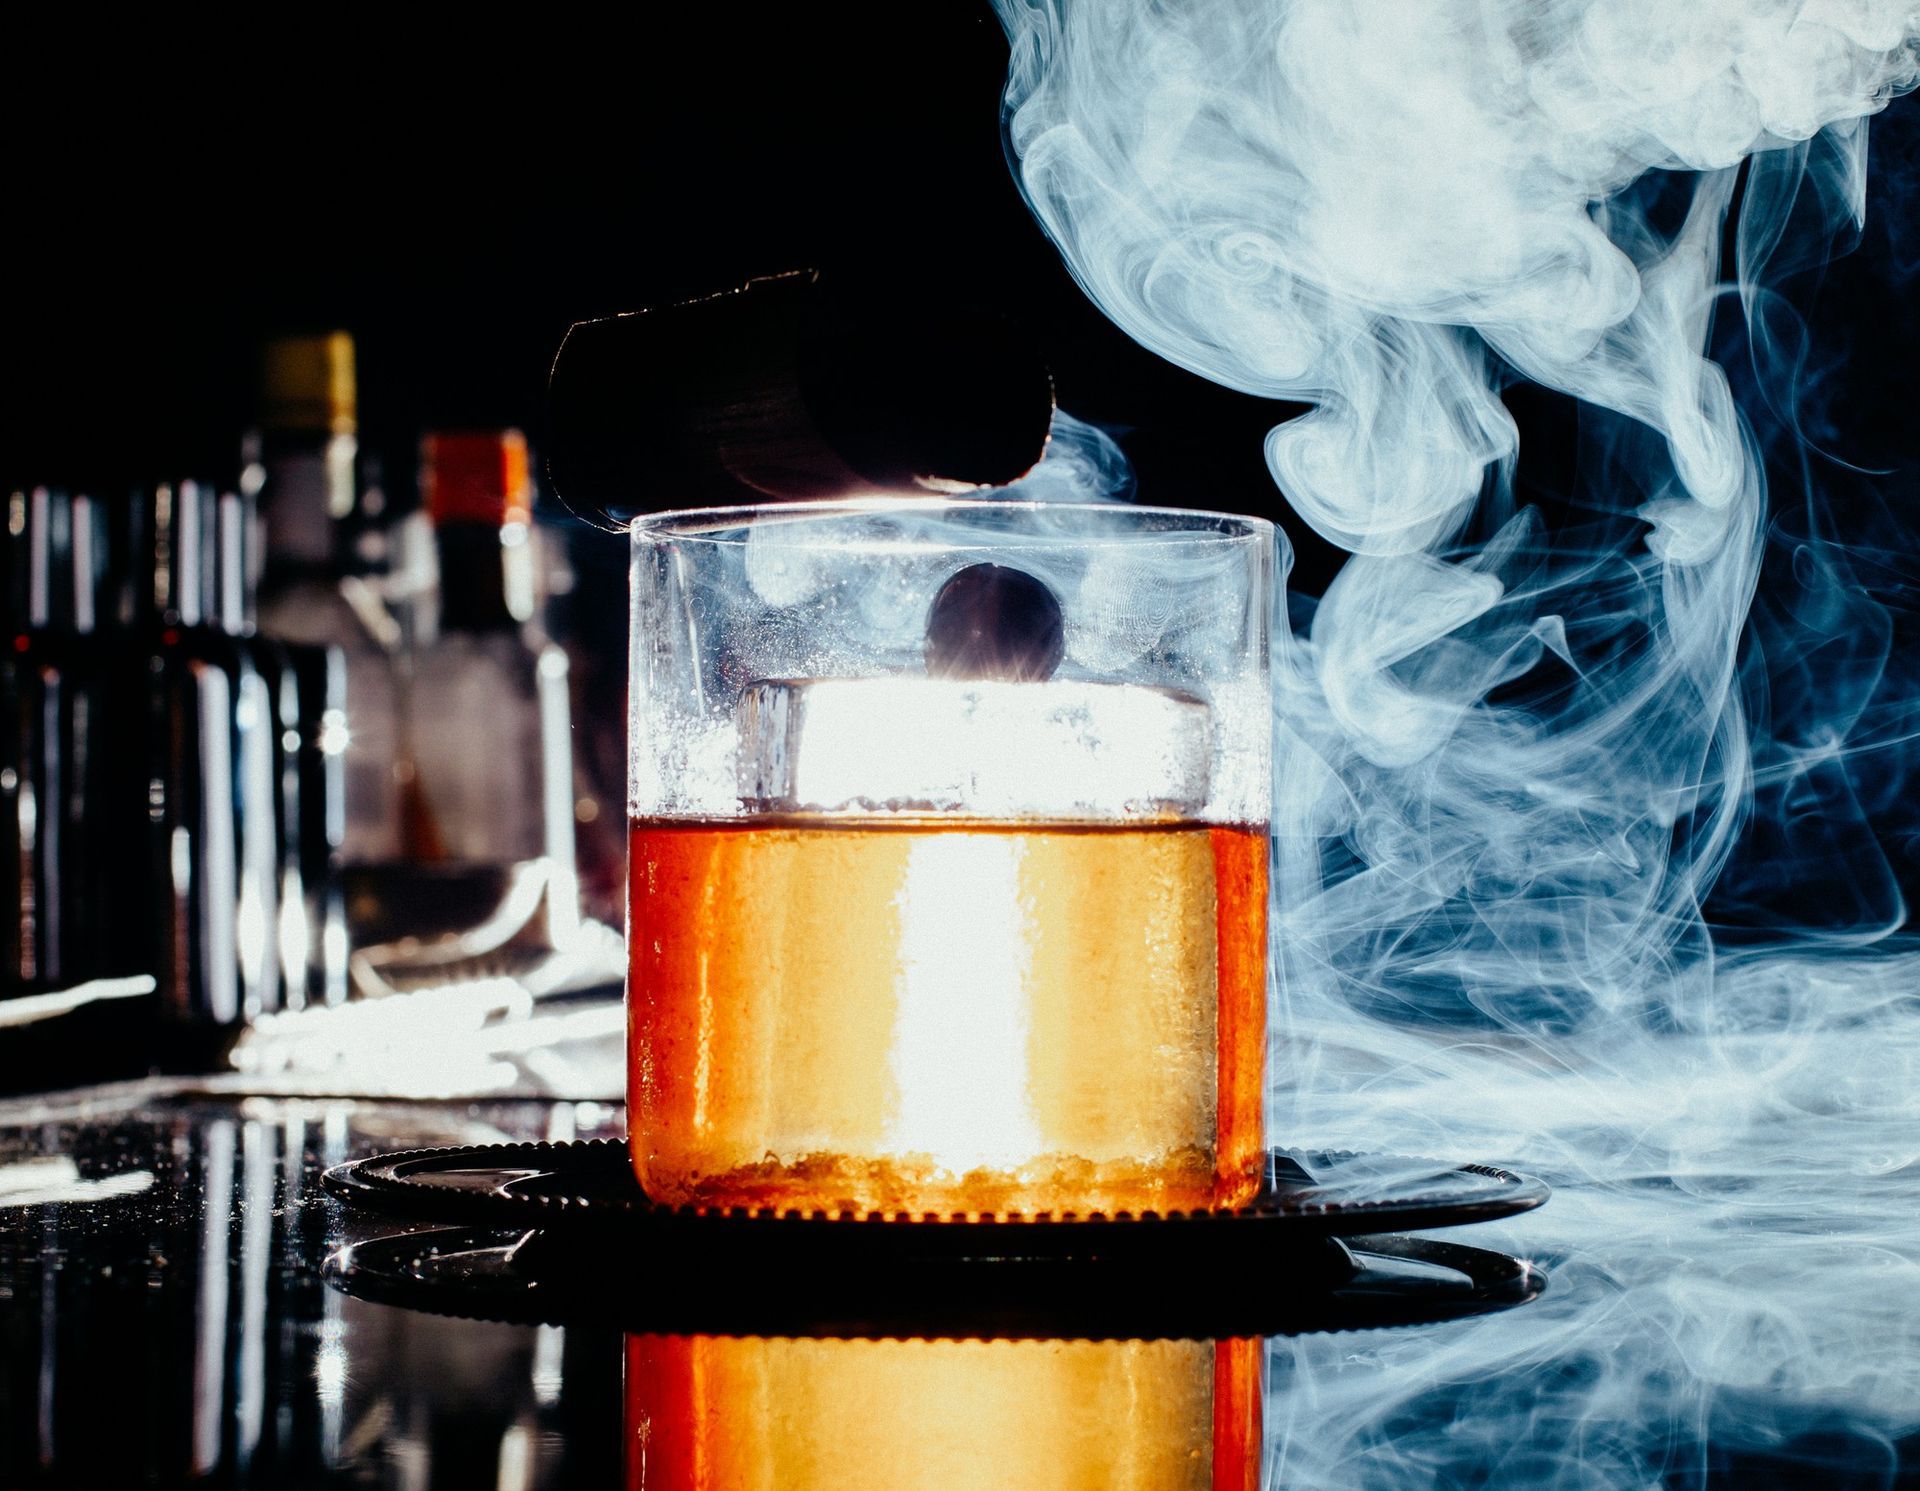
322, 563
300, 778
486, 822
458, 774
209, 775
49, 708
157, 769
269, 744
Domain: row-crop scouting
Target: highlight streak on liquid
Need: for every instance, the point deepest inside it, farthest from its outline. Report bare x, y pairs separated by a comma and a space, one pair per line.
960, 1052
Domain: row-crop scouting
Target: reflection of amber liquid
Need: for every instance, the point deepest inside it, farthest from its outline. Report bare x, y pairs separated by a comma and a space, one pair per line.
930, 1016
745, 1414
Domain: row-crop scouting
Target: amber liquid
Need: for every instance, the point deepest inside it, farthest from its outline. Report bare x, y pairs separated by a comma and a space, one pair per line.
938, 1017
707, 1413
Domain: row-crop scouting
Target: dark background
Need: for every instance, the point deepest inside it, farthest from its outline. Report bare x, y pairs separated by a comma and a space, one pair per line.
456, 193
457, 202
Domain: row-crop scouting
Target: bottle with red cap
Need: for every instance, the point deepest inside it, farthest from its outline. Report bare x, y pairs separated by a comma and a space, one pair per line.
487, 713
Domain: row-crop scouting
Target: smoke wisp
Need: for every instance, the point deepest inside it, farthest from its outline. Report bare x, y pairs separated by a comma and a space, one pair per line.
1581, 823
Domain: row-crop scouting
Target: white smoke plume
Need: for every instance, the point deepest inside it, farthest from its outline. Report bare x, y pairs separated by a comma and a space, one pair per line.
1517, 756
1082, 463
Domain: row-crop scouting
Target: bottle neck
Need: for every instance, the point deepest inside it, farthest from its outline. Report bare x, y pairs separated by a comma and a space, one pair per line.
476, 593
308, 489
180, 548
54, 560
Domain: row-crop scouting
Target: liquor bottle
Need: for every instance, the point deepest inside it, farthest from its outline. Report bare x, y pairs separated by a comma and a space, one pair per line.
302, 695
321, 565
197, 768
258, 702
128, 769
489, 718
192, 731
41, 675
152, 781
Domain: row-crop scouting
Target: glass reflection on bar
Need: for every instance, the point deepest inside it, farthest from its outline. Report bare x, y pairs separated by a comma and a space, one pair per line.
745, 1413
189, 1236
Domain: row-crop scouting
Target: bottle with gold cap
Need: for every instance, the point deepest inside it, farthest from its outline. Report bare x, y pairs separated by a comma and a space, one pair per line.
319, 577
488, 716
304, 454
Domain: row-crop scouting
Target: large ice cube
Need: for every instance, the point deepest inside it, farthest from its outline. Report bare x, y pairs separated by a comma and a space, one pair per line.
1056, 750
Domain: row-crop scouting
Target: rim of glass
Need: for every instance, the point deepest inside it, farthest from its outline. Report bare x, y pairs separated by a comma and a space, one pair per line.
734, 524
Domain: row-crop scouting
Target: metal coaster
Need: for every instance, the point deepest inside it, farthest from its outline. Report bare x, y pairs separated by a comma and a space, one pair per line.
535, 1277
585, 1191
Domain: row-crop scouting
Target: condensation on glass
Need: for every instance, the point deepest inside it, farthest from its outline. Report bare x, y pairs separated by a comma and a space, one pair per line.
948, 940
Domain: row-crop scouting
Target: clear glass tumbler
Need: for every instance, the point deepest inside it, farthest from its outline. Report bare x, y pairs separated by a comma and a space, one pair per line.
948, 857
